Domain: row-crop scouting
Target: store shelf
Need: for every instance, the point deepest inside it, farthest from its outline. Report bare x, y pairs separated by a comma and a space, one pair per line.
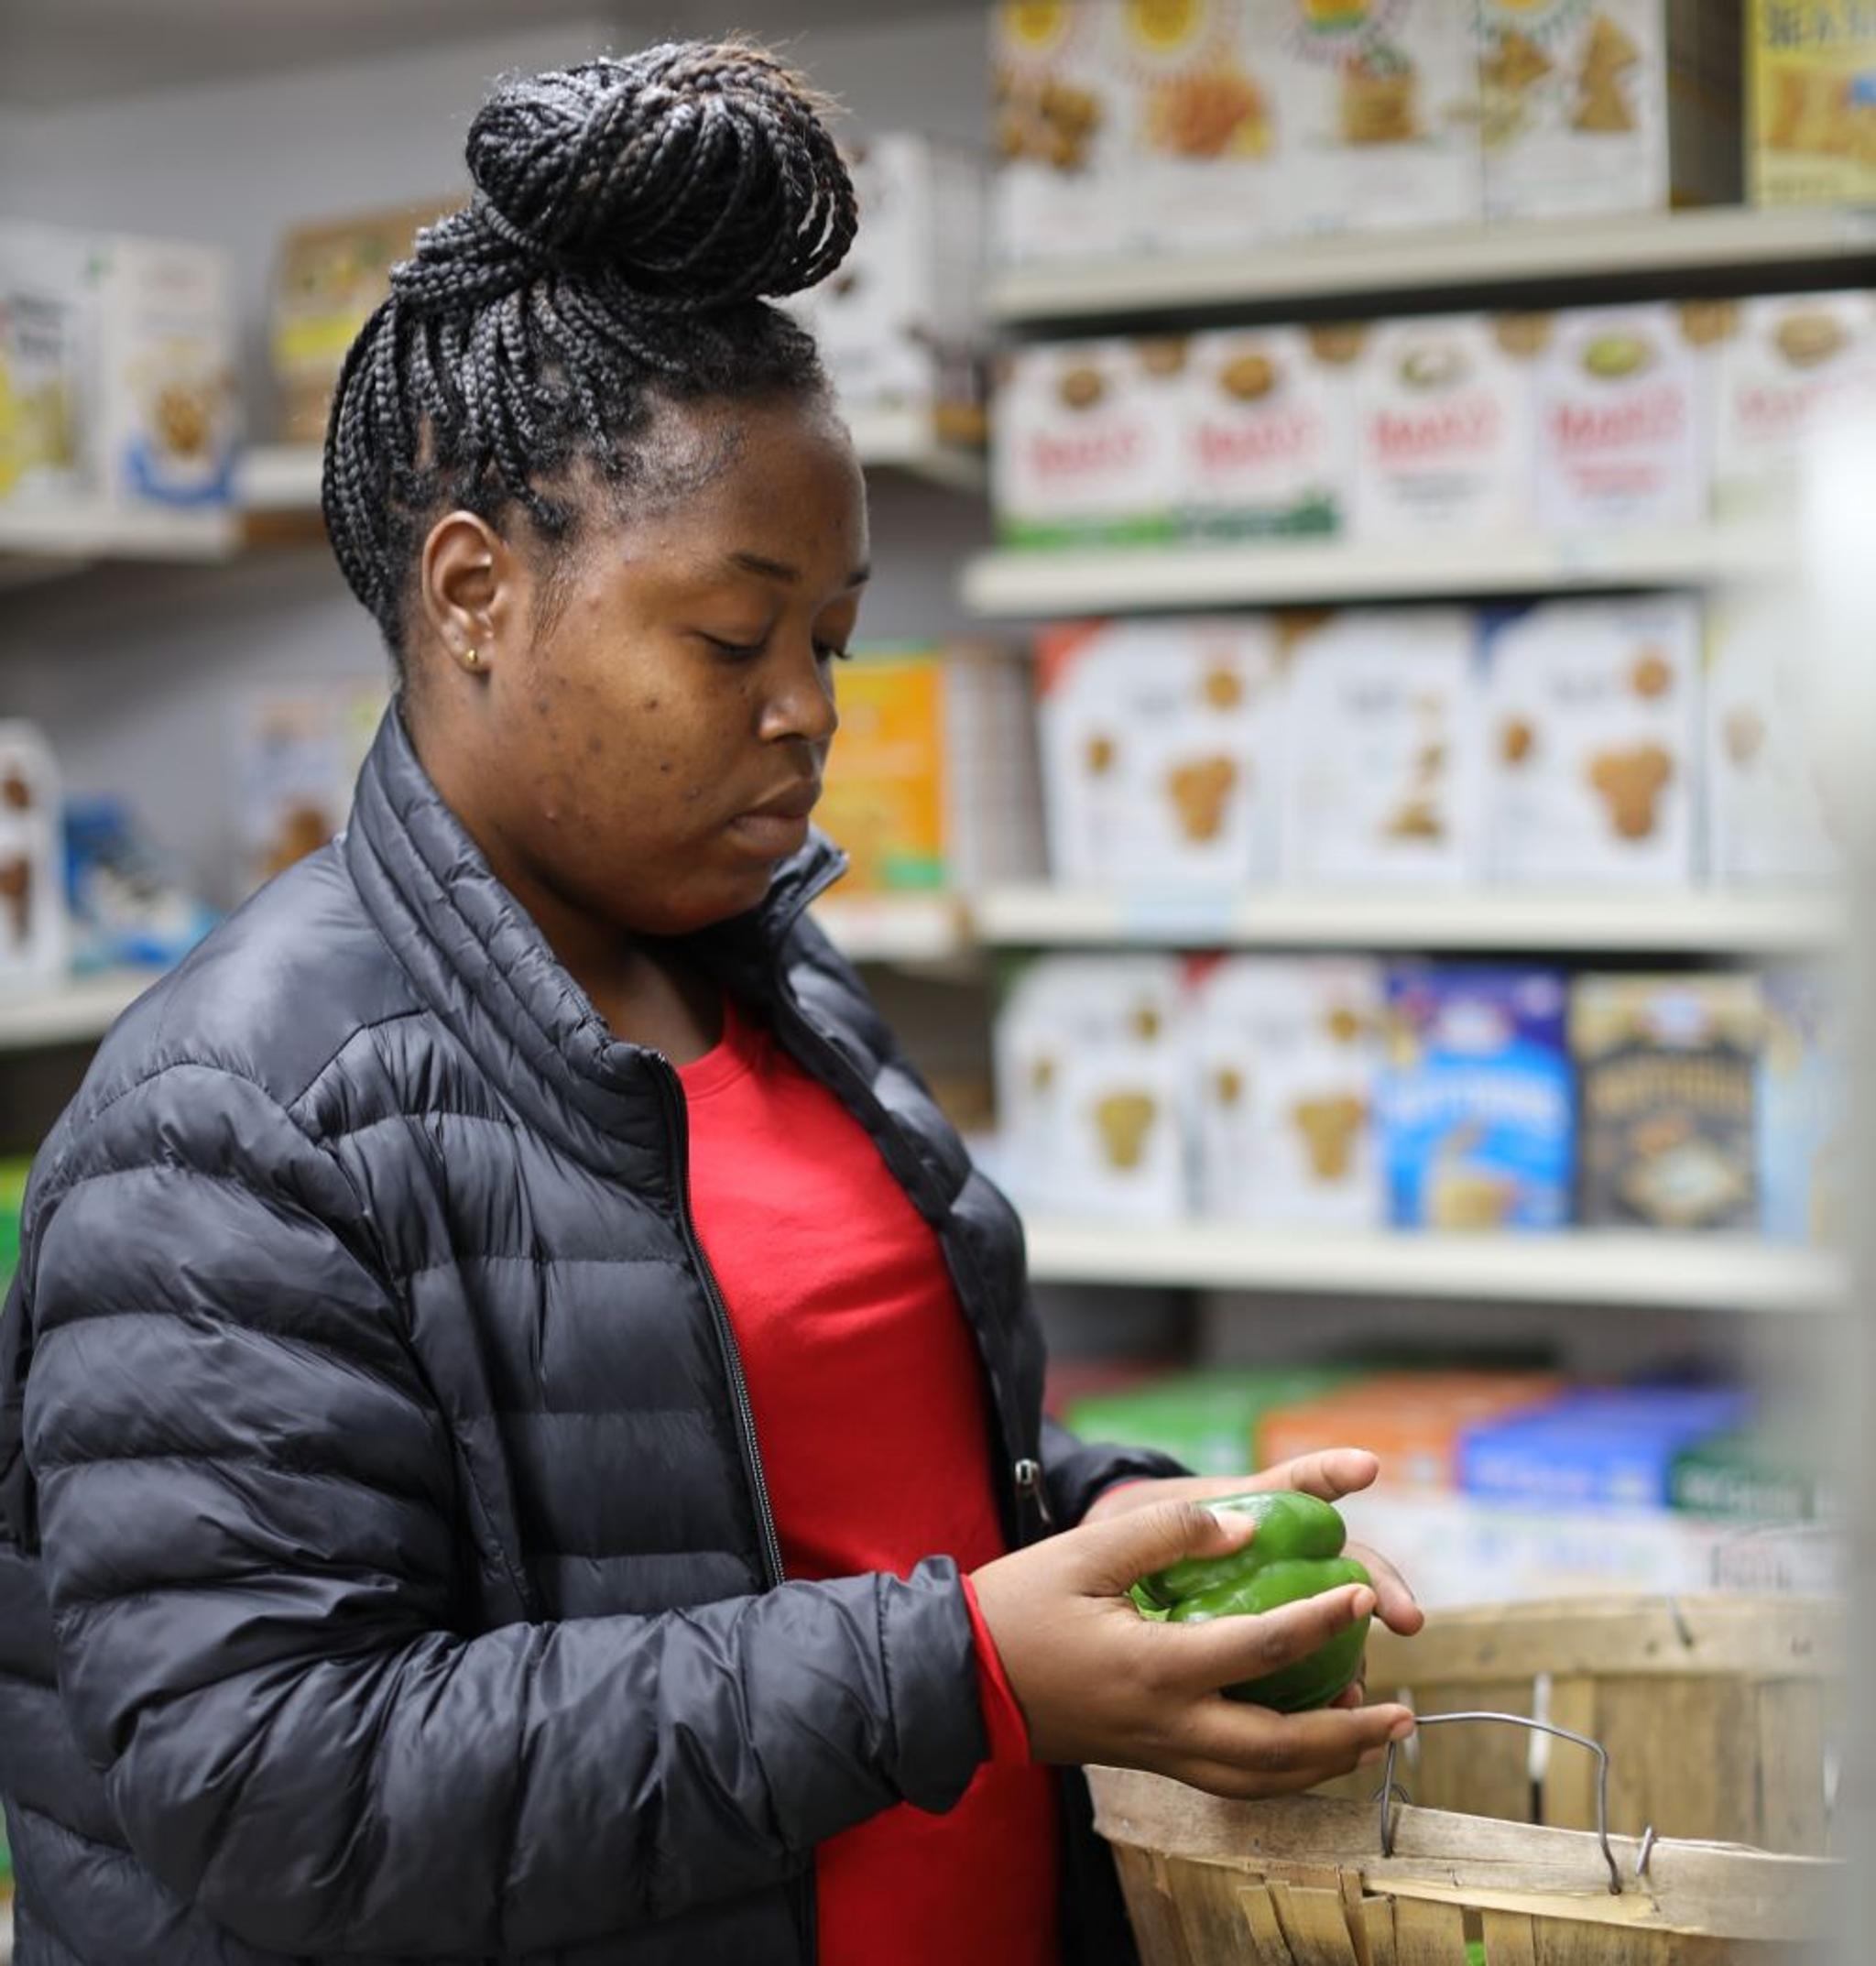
1636, 1268
1748, 923
1126, 579
896, 928
45, 540
1535, 254
279, 477
75, 1012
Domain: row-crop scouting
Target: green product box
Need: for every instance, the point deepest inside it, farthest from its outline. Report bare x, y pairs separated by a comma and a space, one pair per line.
1749, 1475
13, 1175
1207, 1419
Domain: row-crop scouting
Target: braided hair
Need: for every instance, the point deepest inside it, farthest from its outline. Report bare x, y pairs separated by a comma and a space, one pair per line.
628, 220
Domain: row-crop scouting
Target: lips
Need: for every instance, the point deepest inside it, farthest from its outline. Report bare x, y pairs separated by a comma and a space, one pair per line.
797, 803
778, 826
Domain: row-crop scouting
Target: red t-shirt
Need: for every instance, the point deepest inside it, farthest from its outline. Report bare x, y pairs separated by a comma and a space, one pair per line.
870, 1411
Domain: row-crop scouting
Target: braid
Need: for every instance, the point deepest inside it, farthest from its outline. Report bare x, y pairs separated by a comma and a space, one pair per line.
630, 219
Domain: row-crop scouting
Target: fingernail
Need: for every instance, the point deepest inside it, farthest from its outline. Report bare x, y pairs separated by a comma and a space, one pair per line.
1362, 1604
1402, 1729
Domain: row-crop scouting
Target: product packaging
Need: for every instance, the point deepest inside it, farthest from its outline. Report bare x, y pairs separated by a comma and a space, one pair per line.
1089, 1081
1162, 746
1443, 426
13, 1180
297, 754
45, 348
1757, 1474
1476, 1099
1668, 1066
1803, 1108
1384, 780
130, 907
1285, 1056
1086, 442
1814, 109
1594, 742
32, 889
1206, 1420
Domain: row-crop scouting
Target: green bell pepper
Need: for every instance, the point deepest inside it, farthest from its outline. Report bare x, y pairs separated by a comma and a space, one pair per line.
1296, 1553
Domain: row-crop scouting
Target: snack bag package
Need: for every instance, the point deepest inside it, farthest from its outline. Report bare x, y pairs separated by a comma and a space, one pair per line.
44, 360
1285, 1056
1765, 820
1594, 742
1266, 433
1163, 746
1803, 1108
1669, 1072
1089, 1086
1477, 1099
1812, 81
1379, 107
1624, 416
1790, 367
1443, 426
1384, 784
33, 929
1086, 442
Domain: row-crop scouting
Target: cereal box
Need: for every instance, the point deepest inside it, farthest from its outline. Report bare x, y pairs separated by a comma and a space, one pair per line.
1379, 101
1593, 742
1285, 1055
1443, 426
1089, 1081
1803, 1108
1790, 367
1669, 1069
1765, 822
1812, 69
44, 361
1623, 396
1163, 747
32, 871
1087, 442
1205, 1420
1383, 784
296, 753
1266, 434
1477, 1110
1593, 107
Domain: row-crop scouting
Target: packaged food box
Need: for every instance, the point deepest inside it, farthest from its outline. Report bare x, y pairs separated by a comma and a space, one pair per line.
1790, 367
1384, 782
1285, 1057
13, 1180
1207, 1420
1162, 747
329, 279
1765, 820
1803, 1108
1813, 82
32, 885
1758, 1473
898, 323
45, 351
1476, 1099
1668, 1066
1444, 425
929, 786
1379, 108
1594, 742
1595, 1447
1089, 1083
1591, 107
1085, 442
1411, 1421
167, 419
1623, 402
296, 756
1267, 433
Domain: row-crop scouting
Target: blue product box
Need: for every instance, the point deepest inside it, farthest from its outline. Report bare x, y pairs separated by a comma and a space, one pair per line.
1804, 1109
1477, 1109
1600, 1447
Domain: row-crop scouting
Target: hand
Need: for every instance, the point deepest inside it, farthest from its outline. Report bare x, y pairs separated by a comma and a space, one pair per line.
1097, 1682
1330, 1475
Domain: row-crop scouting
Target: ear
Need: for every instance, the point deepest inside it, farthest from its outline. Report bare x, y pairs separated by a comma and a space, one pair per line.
470, 590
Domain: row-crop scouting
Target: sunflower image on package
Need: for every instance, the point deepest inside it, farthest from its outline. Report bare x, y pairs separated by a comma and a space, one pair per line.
1477, 1107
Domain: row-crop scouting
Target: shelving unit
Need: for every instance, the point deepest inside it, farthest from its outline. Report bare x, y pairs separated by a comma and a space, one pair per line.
1642, 1269
42, 541
77, 1011
895, 928
1549, 254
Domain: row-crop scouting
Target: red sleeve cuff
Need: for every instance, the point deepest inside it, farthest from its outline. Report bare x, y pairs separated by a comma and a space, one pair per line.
1009, 1732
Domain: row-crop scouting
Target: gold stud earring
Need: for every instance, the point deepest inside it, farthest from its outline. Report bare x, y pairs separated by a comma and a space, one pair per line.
471, 657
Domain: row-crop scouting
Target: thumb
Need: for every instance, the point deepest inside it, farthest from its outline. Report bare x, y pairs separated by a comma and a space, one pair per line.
1118, 1552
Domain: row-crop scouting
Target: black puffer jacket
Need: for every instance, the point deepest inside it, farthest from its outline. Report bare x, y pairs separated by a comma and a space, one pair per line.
413, 1592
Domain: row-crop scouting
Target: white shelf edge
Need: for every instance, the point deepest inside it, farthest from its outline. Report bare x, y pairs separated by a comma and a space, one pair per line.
1084, 580
1529, 252
1643, 1269
279, 477
896, 928
71, 1012
79, 533
1716, 922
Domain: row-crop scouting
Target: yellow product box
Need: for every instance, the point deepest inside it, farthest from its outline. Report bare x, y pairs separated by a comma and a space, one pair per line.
327, 280
1813, 101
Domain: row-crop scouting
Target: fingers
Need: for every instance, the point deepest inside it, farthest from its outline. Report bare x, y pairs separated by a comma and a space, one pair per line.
1328, 1476
1114, 1554
1395, 1603
1248, 1751
1221, 1652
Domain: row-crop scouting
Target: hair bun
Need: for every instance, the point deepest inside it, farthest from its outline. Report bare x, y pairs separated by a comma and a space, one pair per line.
697, 174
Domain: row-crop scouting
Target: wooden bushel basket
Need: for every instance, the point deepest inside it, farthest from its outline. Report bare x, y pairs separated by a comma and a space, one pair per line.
1303, 1882
1714, 1712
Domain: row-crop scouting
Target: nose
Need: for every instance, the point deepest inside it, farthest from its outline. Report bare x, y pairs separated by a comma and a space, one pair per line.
800, 703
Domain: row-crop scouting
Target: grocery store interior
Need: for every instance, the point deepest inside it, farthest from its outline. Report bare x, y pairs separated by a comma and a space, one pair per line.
1343, 766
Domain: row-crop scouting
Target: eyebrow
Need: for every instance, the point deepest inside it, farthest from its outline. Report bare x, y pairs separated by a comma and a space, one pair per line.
780, 570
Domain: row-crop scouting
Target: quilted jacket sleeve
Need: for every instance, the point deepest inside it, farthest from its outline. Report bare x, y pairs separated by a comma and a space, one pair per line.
246, 1497
1077, 1470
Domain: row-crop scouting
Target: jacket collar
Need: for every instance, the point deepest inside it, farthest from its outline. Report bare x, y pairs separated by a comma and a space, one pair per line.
479, 961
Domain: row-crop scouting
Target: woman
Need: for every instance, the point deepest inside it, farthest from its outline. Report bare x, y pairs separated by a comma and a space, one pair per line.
531, 1435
